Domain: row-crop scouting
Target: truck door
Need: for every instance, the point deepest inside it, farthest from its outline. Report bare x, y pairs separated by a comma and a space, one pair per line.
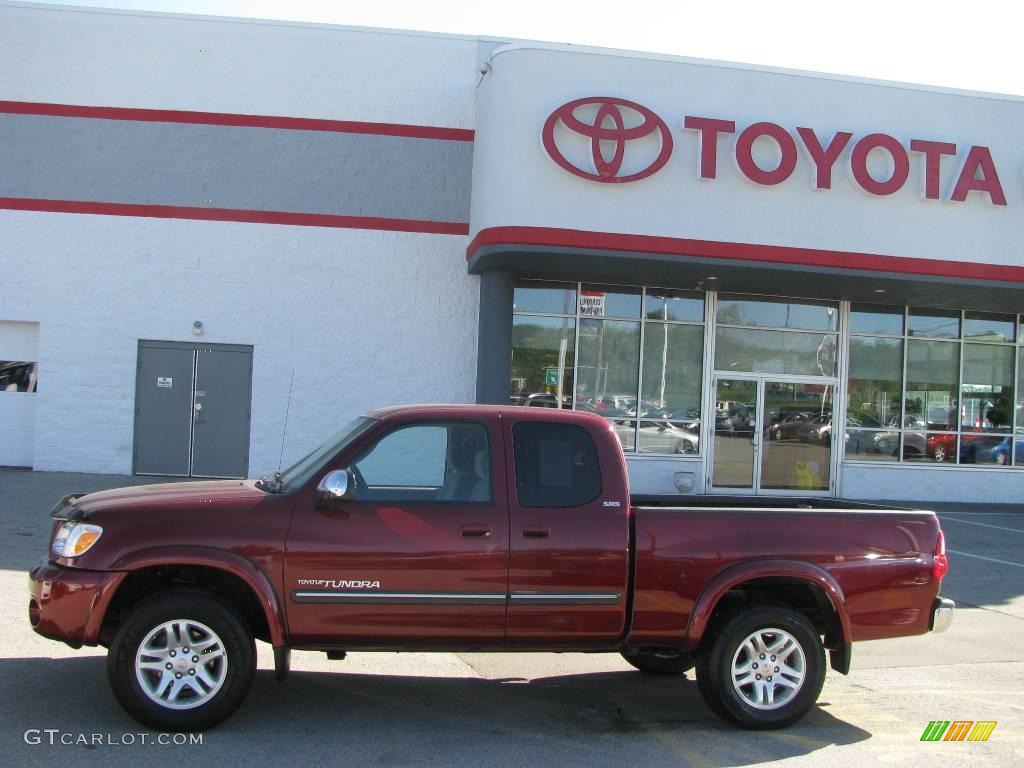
420, 556
568, 536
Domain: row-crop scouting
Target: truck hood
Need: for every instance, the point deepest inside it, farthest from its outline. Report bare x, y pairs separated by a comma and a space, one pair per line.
164, 497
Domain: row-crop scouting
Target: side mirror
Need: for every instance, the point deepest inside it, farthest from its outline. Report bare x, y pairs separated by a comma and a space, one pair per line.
337, 485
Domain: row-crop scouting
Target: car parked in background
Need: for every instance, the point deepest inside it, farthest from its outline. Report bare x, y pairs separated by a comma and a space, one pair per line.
822, 431
1000, 453
976, 446
798, 425
734, 417
609, 405
915, 444
665, 437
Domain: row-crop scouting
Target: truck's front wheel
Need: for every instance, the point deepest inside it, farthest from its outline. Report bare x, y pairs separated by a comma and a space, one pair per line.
764, 668
653, 662
182, 661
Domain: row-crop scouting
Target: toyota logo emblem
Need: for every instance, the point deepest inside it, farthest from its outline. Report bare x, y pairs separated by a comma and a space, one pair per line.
608, 132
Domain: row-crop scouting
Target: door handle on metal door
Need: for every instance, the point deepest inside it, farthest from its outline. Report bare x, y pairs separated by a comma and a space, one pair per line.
197, 412
535, 532
471, 531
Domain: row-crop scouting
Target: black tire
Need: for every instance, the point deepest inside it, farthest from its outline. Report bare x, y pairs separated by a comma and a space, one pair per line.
659, 662
715, 669
192, 605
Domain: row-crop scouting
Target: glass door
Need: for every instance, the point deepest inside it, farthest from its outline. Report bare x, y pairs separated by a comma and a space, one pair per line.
735, 441
796, 437
772, 436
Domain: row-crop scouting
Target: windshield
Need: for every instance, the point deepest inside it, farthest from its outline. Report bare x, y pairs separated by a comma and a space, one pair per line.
301, 471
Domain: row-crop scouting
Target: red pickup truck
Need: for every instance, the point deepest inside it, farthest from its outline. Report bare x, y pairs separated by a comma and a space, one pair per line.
477, 528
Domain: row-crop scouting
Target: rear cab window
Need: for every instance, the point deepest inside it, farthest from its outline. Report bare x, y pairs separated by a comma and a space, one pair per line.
556, 465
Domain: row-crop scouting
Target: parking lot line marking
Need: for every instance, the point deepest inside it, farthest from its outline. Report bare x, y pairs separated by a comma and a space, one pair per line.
982, 557
983, 525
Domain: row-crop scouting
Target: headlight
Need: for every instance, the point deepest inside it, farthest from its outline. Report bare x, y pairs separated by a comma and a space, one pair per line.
74, 539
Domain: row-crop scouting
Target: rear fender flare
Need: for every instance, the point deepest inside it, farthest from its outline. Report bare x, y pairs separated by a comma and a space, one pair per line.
208, 557
793, 570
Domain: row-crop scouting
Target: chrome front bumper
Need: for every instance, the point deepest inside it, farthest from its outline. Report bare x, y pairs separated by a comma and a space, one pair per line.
942, 615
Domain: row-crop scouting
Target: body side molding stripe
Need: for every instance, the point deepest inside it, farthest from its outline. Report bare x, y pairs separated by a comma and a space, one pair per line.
454, 598
568, 598
424, 598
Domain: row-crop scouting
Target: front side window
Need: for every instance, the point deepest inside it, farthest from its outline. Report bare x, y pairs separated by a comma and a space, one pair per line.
556, 465
433, 462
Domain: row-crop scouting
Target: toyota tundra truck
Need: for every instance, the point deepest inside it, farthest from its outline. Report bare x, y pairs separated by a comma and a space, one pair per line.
477, 528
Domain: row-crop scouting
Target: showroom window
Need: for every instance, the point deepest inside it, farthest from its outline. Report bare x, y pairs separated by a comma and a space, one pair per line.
768, 334
934, 386
633, 355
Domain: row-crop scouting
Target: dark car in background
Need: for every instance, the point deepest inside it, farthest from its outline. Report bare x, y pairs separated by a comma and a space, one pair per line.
798, 425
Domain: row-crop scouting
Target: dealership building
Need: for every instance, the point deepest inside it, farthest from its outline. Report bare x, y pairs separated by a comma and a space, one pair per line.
221, 239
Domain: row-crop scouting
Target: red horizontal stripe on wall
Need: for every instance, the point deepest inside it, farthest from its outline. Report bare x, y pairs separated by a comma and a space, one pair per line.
230, 214
245, 121
776, 254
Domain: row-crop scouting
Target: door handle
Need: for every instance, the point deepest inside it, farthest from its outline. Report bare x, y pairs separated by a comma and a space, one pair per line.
197, 412
535, 532
475, 531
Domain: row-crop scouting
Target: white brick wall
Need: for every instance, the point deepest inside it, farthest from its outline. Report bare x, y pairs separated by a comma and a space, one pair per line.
985, 485
366, 318
160, 61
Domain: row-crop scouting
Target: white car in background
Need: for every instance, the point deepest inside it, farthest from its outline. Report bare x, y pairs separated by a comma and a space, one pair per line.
656, 437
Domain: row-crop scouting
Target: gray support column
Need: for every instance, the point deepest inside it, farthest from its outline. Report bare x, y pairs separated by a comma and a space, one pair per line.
494, 340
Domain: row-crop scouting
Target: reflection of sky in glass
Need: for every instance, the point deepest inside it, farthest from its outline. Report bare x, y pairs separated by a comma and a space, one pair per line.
809, 354
538, 296
936, 323
874, 318
985, 327
768, 313
674, 305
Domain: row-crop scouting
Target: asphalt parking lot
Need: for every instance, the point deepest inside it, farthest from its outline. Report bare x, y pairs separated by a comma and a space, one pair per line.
531, 710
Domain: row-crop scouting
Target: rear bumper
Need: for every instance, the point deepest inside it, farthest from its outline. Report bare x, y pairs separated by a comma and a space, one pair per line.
68, 604
942, 614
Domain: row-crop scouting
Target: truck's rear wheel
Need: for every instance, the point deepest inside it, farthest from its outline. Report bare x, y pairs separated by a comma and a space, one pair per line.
764, 668
667, 662
182, 661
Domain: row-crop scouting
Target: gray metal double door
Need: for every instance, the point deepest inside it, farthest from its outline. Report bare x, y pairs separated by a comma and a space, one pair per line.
192, 409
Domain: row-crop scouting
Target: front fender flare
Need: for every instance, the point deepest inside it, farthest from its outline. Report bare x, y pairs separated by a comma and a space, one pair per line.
793, 570
209, 557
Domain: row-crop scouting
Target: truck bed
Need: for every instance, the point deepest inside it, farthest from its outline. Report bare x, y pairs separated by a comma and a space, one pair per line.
791, 503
